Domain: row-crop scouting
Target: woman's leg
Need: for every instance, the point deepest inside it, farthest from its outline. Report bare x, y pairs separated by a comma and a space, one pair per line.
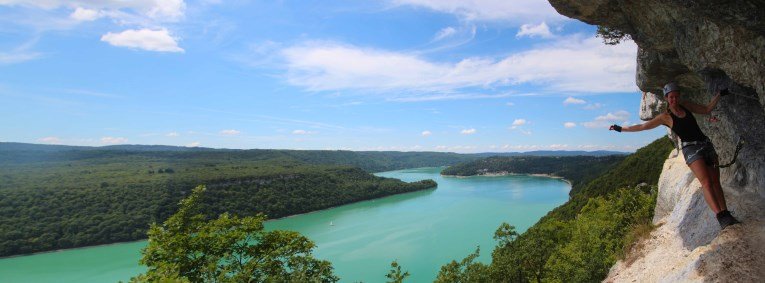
714, 180
699, 169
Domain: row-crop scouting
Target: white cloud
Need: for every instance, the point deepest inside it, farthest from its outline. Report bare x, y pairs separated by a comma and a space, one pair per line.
571, 100
113, 140
558, 146
426, 133
468, 131
20, 53
541, 30
519, 122
83, 14
510, 104
193, 144
444, 33
17, 56
455, 148
159, 10
569, 125
173, 9
593, 106
569, 64
230, 132
50, 140
303, 132
147, 39
515, 11
619, 117
172, 134
454, 96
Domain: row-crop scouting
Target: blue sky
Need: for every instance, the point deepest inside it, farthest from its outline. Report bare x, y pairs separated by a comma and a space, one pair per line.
407, 75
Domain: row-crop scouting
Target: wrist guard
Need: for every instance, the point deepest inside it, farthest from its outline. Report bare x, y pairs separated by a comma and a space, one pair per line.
617, 128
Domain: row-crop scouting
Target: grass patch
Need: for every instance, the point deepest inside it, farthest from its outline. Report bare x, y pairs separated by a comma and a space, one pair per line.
634, 242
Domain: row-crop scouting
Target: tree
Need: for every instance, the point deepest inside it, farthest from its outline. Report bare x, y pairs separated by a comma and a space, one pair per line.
610, 35
464, 271
395, 275
188, 247
505, 234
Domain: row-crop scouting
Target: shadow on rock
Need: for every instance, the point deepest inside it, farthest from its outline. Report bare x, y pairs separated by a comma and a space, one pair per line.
698, 226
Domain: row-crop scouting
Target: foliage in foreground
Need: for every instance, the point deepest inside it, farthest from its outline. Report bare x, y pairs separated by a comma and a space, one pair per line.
189, 248
580, 240
395, 275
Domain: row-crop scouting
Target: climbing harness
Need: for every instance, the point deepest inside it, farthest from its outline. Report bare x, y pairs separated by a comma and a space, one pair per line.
739, 145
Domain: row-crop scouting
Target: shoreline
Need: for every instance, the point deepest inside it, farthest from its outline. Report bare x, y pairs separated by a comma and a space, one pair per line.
75, 248
505, 173
355, 202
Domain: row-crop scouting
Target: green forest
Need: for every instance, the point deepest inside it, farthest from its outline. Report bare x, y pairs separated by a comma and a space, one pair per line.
577, 242
576, 169
14, 154
580, 240
64, 197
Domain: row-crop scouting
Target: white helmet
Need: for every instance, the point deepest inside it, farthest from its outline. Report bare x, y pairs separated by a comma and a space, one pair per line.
670, 87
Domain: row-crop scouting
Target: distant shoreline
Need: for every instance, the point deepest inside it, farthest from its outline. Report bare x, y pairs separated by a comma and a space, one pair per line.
505, 173
75, 248
355, 202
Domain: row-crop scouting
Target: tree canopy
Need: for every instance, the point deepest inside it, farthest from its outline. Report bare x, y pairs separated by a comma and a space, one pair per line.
189, 248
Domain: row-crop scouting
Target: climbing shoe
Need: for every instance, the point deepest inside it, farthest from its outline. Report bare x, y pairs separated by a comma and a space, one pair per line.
726, 219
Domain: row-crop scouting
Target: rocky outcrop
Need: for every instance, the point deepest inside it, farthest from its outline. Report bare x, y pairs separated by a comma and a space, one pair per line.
703, 45
651, 105
688, 244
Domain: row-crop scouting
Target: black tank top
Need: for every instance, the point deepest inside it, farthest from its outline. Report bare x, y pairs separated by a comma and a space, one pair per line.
687, 128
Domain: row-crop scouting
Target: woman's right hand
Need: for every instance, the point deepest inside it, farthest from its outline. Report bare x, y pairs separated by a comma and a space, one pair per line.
615, 127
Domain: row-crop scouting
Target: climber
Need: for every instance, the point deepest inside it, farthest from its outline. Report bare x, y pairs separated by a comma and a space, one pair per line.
698, 150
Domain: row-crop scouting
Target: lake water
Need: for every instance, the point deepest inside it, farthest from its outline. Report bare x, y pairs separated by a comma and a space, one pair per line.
422, 230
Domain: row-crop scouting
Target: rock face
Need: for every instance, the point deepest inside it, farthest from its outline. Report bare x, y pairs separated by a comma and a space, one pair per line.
703, 45
688, 244
651, 105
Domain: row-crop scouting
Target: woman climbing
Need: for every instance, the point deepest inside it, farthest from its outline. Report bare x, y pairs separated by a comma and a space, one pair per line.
698, 150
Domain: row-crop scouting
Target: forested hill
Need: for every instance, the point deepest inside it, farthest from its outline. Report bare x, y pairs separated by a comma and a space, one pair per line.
554, 153
577, 169
55, 197
73, 198
371, 161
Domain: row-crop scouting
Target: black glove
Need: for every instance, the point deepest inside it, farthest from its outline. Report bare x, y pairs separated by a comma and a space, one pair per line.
724, 92
616, 127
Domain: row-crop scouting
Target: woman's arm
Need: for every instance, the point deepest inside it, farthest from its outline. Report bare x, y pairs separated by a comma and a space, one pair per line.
702, 109
661, 119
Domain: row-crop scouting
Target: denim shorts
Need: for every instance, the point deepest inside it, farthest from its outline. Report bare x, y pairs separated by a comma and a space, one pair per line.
698, 151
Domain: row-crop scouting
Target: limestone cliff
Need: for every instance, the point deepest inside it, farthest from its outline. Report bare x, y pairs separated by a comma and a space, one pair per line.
703, 45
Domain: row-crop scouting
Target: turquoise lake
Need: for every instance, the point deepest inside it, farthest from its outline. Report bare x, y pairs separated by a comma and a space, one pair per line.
422, 230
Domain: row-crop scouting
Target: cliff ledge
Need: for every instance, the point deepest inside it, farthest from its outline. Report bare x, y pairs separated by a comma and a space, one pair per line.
703, 45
